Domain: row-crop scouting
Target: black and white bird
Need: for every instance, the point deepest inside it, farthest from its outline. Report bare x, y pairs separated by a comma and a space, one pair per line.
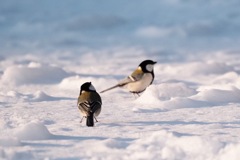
89, 103
139, 80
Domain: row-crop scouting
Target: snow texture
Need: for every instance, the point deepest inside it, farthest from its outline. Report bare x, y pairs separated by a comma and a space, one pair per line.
50, 48
191, 114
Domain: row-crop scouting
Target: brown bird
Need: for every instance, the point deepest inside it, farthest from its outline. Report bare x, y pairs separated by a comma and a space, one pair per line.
139, 80
89, 103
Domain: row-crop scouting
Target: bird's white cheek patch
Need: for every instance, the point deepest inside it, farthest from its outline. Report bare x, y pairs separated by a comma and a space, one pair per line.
92, 88
83, 92
149, 67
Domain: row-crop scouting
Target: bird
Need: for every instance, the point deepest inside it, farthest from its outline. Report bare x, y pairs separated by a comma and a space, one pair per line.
139, 80
89, 103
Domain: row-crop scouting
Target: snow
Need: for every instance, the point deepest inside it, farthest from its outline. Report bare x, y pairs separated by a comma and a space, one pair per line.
190, 112
184, 114
8, 141
33, 131
32, 73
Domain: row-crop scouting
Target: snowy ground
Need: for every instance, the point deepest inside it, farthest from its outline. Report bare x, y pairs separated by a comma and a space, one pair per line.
49, 48
190, 112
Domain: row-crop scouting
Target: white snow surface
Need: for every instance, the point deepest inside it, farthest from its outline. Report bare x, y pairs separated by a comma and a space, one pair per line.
49, 48
191, 111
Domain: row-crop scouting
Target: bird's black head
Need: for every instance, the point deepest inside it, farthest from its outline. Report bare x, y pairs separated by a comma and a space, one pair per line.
87, 87
147, 65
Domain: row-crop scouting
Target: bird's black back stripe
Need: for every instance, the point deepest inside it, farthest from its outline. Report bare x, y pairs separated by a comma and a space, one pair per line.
89, 106
95, 106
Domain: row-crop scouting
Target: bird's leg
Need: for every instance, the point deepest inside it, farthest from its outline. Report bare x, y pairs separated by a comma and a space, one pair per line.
95, 119
136, 95
81, 119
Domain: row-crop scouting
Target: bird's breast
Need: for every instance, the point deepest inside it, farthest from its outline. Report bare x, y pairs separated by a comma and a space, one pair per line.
141, 84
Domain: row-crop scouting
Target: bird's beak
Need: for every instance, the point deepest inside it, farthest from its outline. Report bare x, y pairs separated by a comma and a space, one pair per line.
155, 62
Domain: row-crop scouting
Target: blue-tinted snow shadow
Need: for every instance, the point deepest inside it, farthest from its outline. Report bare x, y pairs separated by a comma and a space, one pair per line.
119, 77
52, 141
69, 158
152, 110
77, 138
179, 103
58, 99
45, 97
225, 124
169, 123
148, 123
187, 83
2, 104
178, 134
53, 138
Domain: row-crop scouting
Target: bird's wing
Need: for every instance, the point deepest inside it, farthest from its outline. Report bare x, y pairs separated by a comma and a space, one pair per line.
95, 106
135, 76
89, 106
84, 106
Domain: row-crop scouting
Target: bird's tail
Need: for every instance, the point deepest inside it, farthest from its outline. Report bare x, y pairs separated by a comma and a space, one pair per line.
90, 120
110, 88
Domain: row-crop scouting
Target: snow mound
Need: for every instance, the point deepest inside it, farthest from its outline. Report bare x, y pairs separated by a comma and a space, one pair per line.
183, 102
164, 145
227, 78
178, 95
33, 74
41, 96
74, 82
169, 90
33, 131
165, 91
218, 96
231, 151
38, 96
168, 96
206, 68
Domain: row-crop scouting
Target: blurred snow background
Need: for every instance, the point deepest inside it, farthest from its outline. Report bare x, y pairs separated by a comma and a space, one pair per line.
165, 27
49, 48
